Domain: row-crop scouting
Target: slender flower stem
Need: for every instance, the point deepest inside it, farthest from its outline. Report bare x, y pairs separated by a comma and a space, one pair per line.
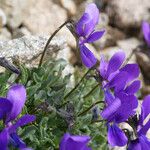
97, 121
77, 84
75, 88
89, 108
129, 57
49, 40
89, 93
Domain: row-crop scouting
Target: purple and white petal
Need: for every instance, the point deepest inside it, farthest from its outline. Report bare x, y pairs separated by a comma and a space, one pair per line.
109, 98
128, 105
26, 149
17, 96
74, 142
142, 143
144, 129
133, 87
103, 66
95, 36
63, 142
146, 31
134, 145
16, 141
132, 70
4, 137
93, 13
110, 110
145, 143
116, 137
87, 57
5, 107
81, 23
145, 109
115, 62
118, 82
77, 142
24, 120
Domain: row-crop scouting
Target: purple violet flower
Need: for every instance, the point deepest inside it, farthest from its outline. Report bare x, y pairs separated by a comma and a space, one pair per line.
74, 142
146, 32
142, 142
85, 29
121, 79
117, 110
119, 106
10, 108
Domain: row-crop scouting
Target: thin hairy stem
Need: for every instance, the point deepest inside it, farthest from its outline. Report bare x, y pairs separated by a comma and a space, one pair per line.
89, 108
77, 84
67, 95
93, 89
129, 57
49, 40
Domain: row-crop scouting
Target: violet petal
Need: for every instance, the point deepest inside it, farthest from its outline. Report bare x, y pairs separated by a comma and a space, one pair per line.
5, 107
142, 143
145, 143
134, 145
145, 109
119, 81
116, 137
133, 87
17, 96
16, 141
74, 142
4, 137
103, 66
128, 105
144, 129
26, 119
146, 31
132, 70
81, 23
109, 98
95, 36
87, 57
111, 109
93, 13
115, 62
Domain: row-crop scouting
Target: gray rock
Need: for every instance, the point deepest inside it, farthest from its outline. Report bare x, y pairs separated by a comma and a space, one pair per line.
70, 6
5, 34
143, 59
20, 32
14, 10
103, 20
3, 18
128, 45
110, 38
29, 48
43, 17
128, 13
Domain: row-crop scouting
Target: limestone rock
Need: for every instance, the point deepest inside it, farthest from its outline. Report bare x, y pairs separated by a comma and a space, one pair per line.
110, 38
128, 45
3, 18
128, 13
143, 59
70, 6
5, 34
28, 48
44, 17
18, 33
14, 10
